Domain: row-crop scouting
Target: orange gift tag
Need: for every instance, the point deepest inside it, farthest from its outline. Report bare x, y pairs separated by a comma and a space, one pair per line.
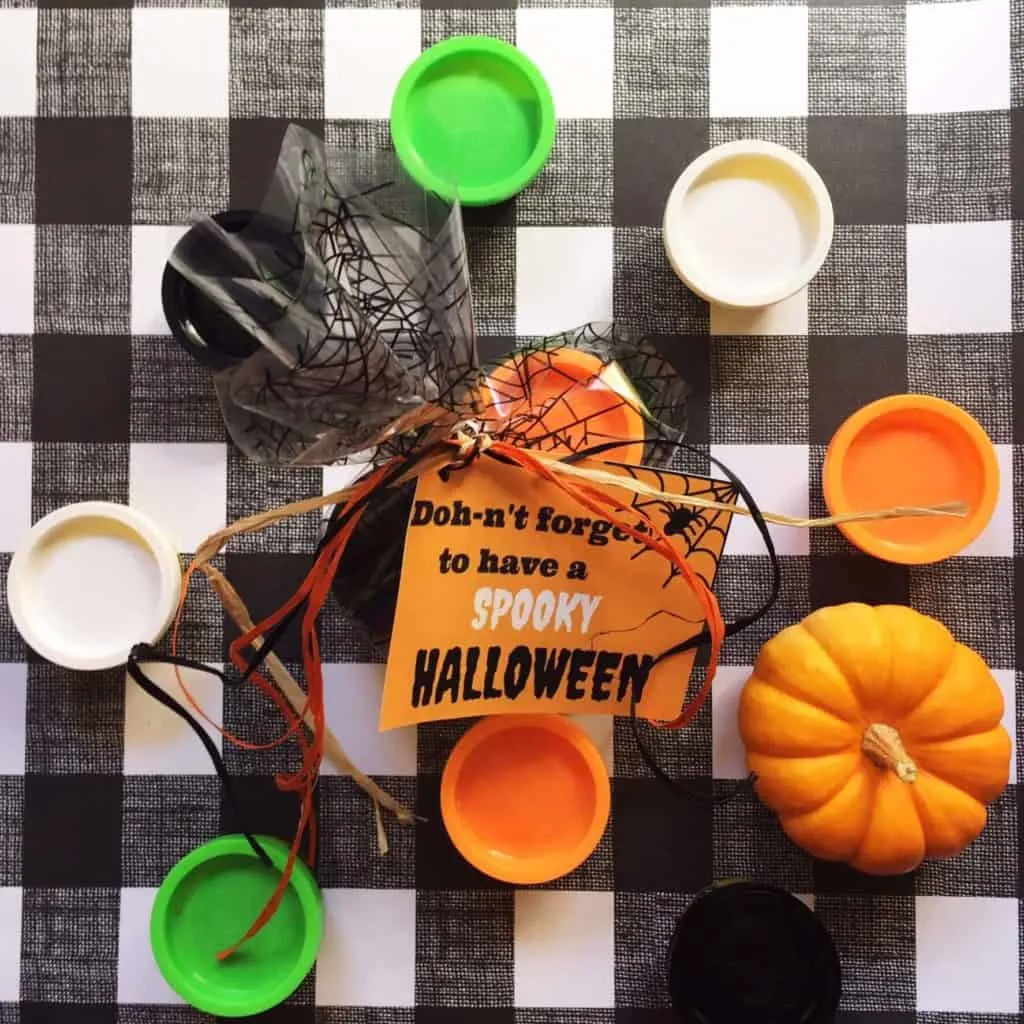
514, 599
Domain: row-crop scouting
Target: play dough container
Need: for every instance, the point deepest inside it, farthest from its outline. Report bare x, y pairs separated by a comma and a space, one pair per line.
745, 953
748, 224
568, 400
525, 798
90, 581
472, 119
911, 450
208, 901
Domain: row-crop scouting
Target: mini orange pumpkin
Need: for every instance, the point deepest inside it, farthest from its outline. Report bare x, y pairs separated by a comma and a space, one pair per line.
875, 736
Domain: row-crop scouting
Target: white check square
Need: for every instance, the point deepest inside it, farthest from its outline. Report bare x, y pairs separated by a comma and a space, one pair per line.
777, 476
575, 52
967, 954
758, 62
563, 278
368, 956
180, 62
18, 33
564, 948
183, 487
352, 696
365, 53
786, 317
17, 271
151, 247
138, 977
728, 755
959, 278
16, 507
159, 742
10, 942
958, 56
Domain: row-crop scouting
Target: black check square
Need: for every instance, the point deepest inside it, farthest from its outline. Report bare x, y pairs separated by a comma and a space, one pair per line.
17, 170
185, 412
988, 866
180, 168
72, 831
650, 80
164, 818
81, 388
12, 819
648, 296
84, 63
838, 578
265, 582
742, 584
276, 63
83, 276
790, 132
690, 357
739, 369
842, 880
69, 945
862, 288
644, 923
1017, 276
856, 61
255, 143
874, 936
564, 1016
66, 472
973, 371
860, 159
83, 170
16, 372
650, 153
348, 855
442, 21
73, 721
344, 640
958, 167
749, 842
256, 804
360, 1014
948, 590
67, 1013
666, 843
685, 756
255, 486
464, 949
465, 1015
575, 187
439, 866
642, 1015
491, 254
845, 373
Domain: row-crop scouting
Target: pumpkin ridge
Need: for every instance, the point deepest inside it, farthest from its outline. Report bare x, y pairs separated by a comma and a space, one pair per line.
940, 676
777, 681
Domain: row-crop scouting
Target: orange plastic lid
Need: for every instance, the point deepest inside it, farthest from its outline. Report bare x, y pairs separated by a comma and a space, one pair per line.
563, 400
911, 450
525, 798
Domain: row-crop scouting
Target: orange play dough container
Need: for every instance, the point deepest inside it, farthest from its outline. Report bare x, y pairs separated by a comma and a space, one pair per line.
911, 450
563, 400
525, 798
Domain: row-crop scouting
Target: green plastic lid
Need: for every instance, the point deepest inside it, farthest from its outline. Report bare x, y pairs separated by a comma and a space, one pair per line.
473, 119
208, 901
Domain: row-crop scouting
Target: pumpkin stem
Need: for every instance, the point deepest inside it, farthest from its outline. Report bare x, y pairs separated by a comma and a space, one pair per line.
883, 745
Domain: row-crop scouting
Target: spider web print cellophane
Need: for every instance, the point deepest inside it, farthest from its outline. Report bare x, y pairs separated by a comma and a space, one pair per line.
353, 285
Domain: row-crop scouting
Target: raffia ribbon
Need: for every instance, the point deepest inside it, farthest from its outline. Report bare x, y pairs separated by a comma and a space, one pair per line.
467, 441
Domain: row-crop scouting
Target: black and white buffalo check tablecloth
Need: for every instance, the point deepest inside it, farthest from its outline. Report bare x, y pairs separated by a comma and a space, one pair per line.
118, 123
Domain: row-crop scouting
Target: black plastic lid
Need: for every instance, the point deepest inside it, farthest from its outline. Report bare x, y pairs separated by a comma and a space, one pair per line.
205, 331
750, 953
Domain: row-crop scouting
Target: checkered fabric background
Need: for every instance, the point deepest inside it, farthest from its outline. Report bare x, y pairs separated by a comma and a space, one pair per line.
119, 122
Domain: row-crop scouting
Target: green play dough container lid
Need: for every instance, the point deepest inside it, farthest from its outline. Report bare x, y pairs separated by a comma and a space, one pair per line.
208, 901
473, 119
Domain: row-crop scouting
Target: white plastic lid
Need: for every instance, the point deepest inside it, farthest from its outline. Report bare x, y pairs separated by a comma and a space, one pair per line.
90, 581
748, 224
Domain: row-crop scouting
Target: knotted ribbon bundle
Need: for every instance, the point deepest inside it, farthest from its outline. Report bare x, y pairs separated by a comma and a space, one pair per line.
362, 350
